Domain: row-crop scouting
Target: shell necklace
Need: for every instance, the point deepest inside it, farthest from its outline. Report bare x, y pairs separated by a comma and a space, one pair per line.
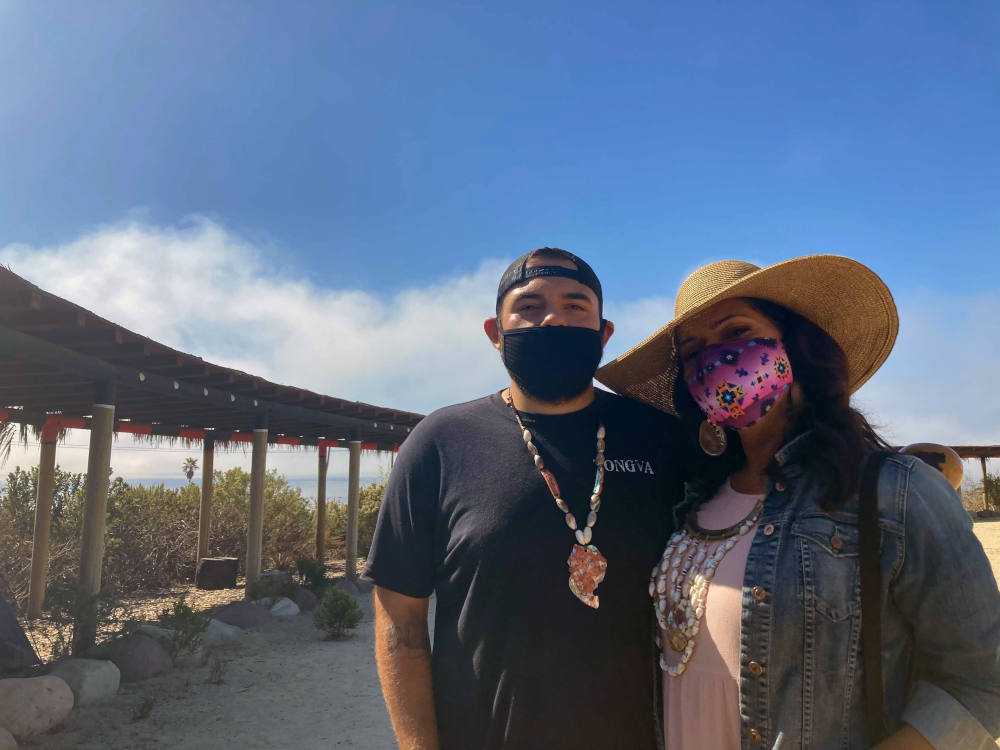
587, 566
679, 582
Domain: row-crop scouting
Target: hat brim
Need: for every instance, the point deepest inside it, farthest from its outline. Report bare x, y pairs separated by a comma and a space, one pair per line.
843, 297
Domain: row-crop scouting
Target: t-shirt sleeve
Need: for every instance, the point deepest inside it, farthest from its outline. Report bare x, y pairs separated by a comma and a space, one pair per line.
402, 555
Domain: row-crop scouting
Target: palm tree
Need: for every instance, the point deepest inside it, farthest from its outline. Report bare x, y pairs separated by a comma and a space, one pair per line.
190, 467
7, 431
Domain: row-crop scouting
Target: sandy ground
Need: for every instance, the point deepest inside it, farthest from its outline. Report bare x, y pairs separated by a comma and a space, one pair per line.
282, 687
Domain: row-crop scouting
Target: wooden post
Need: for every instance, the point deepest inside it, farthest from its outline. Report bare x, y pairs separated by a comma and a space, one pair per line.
986, 497
43, 519
324, 463
205, 513
353, 501
255, 522
95, 509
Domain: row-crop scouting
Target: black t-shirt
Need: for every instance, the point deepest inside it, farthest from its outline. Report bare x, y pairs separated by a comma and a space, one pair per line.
518, 661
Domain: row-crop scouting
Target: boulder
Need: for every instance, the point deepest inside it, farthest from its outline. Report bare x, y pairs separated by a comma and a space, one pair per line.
139, 657
244, 615
7, 741
163, 636
218, 632
32, 705
280, 577
16, 652
355, 586
216, 573
306, 599
285, 607
89, 679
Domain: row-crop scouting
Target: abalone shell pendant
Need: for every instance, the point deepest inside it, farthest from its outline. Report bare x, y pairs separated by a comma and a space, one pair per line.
587, 567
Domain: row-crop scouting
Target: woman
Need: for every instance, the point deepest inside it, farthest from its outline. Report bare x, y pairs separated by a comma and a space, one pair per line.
758, 595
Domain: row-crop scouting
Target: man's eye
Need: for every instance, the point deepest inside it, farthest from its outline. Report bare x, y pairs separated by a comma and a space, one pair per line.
739, 332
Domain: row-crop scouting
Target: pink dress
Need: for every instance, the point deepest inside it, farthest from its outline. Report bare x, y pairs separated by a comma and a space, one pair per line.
701, 706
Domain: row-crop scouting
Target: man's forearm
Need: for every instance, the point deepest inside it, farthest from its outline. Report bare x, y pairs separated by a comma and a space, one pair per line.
403, 653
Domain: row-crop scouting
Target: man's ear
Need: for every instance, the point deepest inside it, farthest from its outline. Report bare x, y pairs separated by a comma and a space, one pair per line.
609, 328
492, 328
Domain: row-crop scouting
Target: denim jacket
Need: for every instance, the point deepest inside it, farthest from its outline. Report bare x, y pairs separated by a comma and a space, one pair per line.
801, 681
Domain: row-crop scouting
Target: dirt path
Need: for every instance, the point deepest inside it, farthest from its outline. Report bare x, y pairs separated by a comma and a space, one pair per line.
282, 687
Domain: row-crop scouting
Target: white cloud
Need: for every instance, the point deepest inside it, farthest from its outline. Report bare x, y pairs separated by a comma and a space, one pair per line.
207, 291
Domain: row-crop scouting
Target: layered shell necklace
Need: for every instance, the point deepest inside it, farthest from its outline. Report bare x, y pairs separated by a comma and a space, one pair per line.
679, 582
587, 566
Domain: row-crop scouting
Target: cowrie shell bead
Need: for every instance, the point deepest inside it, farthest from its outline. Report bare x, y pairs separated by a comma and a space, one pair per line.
538, 462
591, 518
561, 504
586, 534
600, 446
601, 432
652, 588
571, 521
531, 448
579, 536
527, 436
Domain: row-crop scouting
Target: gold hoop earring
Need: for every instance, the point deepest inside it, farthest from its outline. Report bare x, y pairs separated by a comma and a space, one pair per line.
712, 438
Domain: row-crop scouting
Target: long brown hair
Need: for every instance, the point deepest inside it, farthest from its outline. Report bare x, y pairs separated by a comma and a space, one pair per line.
841, 436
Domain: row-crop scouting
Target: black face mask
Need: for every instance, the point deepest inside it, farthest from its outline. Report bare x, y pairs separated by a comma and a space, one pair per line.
552, 363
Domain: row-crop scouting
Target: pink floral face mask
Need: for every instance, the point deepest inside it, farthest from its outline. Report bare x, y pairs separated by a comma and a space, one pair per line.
738, 382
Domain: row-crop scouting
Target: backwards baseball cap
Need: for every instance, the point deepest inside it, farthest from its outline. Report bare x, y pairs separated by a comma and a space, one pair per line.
519, 272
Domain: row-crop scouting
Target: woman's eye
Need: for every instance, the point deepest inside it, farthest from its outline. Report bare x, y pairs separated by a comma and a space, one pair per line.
739, 332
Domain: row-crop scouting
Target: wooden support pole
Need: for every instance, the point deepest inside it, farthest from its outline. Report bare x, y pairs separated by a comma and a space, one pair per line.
324, 463
96, 503
43, 520
205, 512
986, 497
255, 522
353, 502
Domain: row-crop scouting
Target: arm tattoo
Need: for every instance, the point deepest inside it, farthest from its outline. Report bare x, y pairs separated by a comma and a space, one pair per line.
408, 636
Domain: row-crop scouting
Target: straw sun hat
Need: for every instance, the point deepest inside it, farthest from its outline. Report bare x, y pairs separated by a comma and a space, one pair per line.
843, 297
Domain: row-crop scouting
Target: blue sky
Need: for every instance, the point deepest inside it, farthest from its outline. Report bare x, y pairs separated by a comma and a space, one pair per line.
372, 156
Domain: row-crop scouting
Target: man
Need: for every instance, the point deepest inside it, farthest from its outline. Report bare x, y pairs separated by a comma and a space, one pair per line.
543, 625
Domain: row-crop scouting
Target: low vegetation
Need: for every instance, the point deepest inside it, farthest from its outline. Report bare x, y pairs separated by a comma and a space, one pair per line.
337, 614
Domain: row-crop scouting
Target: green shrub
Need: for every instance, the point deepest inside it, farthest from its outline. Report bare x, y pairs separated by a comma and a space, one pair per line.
266, 587
187, 624
337, 613
78, 616
311, 573
370, 500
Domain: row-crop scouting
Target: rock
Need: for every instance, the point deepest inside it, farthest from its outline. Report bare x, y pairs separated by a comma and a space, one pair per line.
218, 632
354, 588
7, 741
285, 607
987, 513
89, 679
16, 652
160, 634
244, 615
139, 657
280, 577
306, 599
32, 705
216, 573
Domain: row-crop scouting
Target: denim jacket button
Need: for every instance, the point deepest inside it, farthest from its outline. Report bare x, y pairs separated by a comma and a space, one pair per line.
755, 669
769, 529
758, 593
755, 736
